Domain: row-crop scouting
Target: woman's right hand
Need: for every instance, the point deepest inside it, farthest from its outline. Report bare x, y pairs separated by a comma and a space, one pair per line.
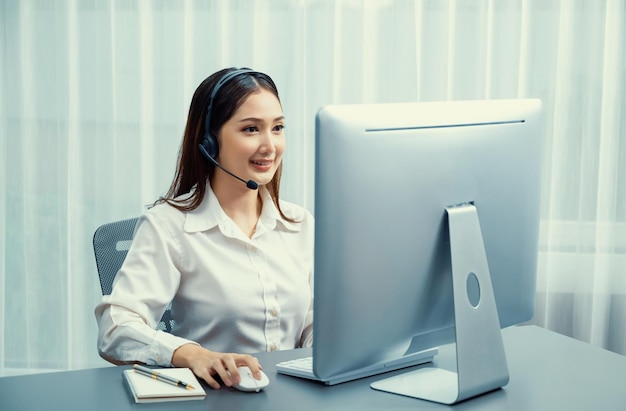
208, 364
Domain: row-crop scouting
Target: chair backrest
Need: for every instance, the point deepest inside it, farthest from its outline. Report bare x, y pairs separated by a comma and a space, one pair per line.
110, 245
111, 242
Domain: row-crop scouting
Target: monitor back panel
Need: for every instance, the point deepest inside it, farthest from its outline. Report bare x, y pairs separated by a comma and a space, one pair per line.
384, 176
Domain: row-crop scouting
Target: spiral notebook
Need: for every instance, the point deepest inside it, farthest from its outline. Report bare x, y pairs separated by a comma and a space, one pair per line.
146, 389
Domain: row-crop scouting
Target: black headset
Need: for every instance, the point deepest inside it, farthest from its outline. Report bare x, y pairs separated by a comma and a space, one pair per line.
209, 146
209, 141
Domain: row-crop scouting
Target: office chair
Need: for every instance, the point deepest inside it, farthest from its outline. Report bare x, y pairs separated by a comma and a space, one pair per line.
111, 242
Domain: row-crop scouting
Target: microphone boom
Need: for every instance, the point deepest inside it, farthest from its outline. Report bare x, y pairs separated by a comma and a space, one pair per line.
251, 184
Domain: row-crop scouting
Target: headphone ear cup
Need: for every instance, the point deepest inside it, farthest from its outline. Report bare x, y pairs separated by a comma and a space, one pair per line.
210, 145
209, 142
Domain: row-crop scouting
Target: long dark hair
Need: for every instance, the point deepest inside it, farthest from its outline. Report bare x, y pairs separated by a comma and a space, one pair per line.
193, 170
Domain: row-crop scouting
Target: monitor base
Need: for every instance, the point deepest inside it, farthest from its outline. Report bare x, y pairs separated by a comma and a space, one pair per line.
480, 356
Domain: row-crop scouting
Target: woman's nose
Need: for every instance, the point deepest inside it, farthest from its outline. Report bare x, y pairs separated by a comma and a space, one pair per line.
267, 142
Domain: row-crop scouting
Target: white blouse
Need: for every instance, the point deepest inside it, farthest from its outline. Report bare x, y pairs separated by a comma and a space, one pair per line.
229, 293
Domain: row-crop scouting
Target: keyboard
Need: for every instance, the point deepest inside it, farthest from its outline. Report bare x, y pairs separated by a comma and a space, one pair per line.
300, 367
303, 367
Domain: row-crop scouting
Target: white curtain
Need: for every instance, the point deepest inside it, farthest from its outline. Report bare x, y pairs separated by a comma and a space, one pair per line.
94, 95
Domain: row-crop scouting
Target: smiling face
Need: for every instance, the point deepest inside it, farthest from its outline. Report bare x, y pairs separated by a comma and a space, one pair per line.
252, 141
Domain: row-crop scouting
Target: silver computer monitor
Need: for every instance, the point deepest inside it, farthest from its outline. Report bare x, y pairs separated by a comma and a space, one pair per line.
387, 178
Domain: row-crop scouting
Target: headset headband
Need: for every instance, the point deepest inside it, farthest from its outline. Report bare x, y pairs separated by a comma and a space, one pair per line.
225, 79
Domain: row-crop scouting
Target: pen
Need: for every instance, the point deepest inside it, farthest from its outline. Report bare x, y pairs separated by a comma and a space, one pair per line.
155, 374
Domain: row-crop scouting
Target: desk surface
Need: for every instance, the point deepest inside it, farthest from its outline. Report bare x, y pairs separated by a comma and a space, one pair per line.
548, 371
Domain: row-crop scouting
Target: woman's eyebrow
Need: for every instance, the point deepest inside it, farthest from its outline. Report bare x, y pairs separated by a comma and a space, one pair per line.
260, 120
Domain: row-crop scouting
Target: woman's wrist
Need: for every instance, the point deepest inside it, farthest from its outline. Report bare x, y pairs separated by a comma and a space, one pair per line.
183, 355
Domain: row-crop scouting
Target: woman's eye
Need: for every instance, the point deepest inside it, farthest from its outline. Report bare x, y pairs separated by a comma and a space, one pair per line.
279, 127
251, 129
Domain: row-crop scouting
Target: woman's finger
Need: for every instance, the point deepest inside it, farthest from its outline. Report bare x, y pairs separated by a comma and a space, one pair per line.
252, 363
208, 378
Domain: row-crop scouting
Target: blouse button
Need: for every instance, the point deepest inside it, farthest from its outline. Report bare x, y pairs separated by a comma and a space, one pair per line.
273, 347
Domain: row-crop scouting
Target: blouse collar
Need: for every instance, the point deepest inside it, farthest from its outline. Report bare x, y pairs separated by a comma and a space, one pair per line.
210, 214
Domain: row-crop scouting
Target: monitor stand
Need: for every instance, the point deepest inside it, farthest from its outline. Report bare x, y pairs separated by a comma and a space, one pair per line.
480, 357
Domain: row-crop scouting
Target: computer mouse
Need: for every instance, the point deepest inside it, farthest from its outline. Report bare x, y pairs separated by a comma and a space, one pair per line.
250, 384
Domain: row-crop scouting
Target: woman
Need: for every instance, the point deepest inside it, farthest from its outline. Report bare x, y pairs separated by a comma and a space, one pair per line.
234, 261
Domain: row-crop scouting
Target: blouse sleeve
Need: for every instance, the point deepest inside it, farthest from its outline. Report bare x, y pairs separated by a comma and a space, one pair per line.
306, 338
142, 290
